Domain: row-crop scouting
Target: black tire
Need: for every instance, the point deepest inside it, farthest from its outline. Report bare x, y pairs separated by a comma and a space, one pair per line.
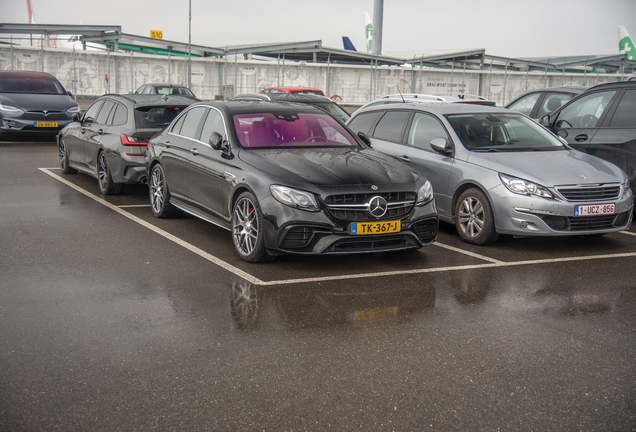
160, 195
61, 147
247, 229
474, 218
104, 177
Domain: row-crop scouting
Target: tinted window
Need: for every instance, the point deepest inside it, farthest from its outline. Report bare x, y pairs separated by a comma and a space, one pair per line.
625, 115
291, 130
391, 126
156, 116
363, 122
526, 103
121, 115
424, 129
191, 122
552, 102
213, 123
104, 112
586, 111
91, 112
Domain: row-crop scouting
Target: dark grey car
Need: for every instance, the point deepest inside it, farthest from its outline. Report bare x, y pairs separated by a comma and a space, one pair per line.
109, 141
495, 171
33, 104
539, 102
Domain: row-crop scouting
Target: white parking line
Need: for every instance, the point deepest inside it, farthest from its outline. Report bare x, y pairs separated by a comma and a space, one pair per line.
627, 232
250, 278
134, 206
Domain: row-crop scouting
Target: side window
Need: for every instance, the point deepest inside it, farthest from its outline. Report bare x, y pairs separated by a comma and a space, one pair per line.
147, 90
553, 102
586, 111
363, 122
104, 112
625, 116
121, 115
424, 129
140, 90
91, 112
525, 104
176, 129
391, 126
191, 122
213, 123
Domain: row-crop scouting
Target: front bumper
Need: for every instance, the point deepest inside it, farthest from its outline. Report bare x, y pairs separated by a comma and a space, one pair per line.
16, 126
288, 230
521, 215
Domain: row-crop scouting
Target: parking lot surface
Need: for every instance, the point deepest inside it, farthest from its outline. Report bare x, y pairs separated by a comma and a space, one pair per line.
111, 319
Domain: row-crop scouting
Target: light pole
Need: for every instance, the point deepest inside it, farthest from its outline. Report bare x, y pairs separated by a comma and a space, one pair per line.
189, 80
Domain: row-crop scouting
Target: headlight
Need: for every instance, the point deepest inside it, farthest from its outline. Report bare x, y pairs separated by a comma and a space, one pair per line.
425, 194
524, 187
294, 198
9, 108
626, 187
73, 110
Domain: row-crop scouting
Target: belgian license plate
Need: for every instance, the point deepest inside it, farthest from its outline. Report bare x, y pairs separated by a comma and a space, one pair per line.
363, 228
45, 124
595, 210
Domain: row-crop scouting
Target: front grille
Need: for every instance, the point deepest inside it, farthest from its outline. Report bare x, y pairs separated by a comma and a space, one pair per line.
353, 207
370, 243
590, 193
563, 223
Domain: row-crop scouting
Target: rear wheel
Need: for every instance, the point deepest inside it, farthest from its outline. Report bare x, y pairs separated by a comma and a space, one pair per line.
104, 177
159, 194
474, 218
61, 147
247, 229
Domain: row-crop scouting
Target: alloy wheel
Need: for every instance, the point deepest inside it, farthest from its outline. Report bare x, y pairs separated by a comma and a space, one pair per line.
245, 227
471, 217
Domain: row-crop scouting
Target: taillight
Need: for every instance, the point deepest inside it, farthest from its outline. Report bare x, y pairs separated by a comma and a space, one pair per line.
129, 141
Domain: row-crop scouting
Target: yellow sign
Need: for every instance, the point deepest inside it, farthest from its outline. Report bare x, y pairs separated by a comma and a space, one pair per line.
156, 34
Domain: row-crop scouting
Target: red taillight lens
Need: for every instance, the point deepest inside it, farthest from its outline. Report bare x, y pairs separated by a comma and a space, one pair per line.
128, 141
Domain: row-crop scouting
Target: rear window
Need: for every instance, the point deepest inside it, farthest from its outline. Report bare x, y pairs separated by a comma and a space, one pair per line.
288, 129
156, 116
31, 84
309, 92
181, 91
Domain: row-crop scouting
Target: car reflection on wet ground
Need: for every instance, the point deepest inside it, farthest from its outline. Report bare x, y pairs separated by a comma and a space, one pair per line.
113, 320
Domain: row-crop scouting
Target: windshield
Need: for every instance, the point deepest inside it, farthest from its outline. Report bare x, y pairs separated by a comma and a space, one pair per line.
335, 110
502, 132
290, 129
183, 91
30, 84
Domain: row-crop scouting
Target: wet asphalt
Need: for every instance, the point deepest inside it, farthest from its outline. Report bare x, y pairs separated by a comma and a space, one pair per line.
112, 320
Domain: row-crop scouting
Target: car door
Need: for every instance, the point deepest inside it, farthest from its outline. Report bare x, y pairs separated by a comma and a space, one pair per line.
206, 169
416, 151
94, 134
579, 120
75, 139
616, 140
178, 144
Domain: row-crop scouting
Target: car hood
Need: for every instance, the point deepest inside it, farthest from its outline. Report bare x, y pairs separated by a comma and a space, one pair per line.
29, 101
550, 168
330, 166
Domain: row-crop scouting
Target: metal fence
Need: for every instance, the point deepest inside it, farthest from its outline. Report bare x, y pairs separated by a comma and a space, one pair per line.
92, 73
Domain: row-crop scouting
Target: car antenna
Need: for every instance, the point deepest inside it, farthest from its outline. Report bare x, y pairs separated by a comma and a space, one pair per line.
398, 89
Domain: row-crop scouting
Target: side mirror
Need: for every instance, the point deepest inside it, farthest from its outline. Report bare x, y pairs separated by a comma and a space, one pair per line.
215, 140
365, 139
226, 150
545, 120
440, 145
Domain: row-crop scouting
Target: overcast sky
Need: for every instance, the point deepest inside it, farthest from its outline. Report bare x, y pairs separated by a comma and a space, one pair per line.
510, 28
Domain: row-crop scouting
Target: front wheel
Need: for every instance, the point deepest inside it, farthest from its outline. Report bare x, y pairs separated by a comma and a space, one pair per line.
63, 152
160, 195
247, 229
105, 179
474, 218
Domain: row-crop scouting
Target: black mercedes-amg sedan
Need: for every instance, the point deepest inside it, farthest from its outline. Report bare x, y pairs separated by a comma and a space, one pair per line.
287, 178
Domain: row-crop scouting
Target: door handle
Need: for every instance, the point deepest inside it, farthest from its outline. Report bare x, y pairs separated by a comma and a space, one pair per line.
168, 144
404, 158
194, 151
580, 138
83, 130
100, 132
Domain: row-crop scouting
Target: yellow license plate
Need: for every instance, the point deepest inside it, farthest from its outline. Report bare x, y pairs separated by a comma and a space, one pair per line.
45, 124
364, 228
